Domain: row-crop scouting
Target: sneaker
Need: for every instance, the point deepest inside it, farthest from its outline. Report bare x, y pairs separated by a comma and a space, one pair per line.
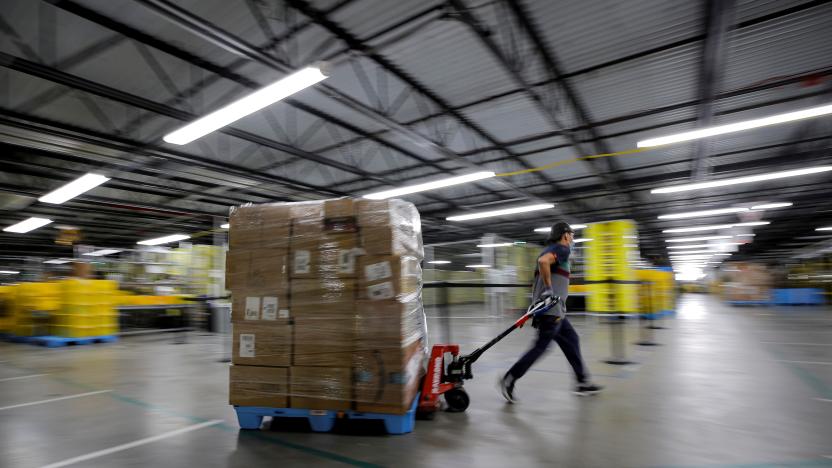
587, 389
506, 384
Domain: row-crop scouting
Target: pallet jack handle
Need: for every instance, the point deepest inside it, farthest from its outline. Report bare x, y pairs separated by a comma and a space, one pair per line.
535, 309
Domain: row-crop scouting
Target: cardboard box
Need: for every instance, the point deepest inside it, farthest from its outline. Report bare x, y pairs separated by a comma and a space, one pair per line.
259, 226
259, 386
309, 210
388, 323
383, 277
260, 306
258, 269
261, 345
306, 230
329, 256
320, 388
387, 379
391, 241
339, 208
391, 212
323, 341
322, 291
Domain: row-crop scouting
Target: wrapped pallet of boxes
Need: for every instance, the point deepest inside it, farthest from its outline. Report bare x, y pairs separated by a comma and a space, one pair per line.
356, 341
257, 276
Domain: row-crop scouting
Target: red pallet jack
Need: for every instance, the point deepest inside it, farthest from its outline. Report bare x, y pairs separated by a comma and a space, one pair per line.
447, 378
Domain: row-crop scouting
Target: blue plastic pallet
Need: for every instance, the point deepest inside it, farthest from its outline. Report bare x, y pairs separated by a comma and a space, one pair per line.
251, 417
56, 341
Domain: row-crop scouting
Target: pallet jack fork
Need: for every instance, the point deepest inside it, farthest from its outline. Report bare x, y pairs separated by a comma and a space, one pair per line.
447, 370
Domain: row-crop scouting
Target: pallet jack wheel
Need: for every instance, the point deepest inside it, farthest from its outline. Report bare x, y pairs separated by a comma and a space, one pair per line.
457, 400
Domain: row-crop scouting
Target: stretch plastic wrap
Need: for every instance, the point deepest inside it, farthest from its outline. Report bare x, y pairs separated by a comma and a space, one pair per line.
330, 291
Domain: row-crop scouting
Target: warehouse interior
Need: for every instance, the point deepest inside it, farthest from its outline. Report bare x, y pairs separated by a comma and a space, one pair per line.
398, 203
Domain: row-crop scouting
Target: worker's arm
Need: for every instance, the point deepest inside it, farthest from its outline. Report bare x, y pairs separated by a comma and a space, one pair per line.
544, 266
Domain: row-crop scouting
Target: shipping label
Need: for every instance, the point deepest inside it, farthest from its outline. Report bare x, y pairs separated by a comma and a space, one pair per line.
270, 308
283, 313
252, 308
247, 345
378, 271
302, 262
381, 291
346, 261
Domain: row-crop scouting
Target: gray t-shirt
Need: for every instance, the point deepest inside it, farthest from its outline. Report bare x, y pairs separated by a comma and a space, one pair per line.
560, 278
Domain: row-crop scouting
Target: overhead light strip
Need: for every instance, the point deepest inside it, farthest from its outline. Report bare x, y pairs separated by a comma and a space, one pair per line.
103, 252
743, 180
714, 227
27, 225
697, 239
703, 213
737, 127
249, 104
430, 185
71, 190
548, 229
164, 240
502, 212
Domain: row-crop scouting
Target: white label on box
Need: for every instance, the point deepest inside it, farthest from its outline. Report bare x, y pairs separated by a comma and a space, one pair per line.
247, 345
269, 308
302, 259
378, 271
346, 261
381, 291
252, 308
283, 313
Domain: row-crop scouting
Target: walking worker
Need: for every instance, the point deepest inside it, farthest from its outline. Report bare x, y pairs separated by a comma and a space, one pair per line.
552, 279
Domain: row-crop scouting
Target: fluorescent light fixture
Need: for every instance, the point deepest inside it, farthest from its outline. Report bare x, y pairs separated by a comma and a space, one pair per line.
58, 261
27, 225
103, 252
715, 227
503, 244
697, 239
9, 272
703, 213
502, 212
164, 240
737, 127
573, 226
430, 185
439, 262
712, 227
751, 223
225, 226
722, 255
582, 239
689, 252
244, 106
71, 190
769, 206
745, 235
743, 180
477, 266
826, 228
703, 246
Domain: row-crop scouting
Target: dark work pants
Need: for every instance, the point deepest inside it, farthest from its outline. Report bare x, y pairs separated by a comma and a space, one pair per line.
560, 331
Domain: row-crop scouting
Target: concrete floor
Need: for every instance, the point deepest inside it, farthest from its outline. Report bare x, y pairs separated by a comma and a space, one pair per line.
729, 387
